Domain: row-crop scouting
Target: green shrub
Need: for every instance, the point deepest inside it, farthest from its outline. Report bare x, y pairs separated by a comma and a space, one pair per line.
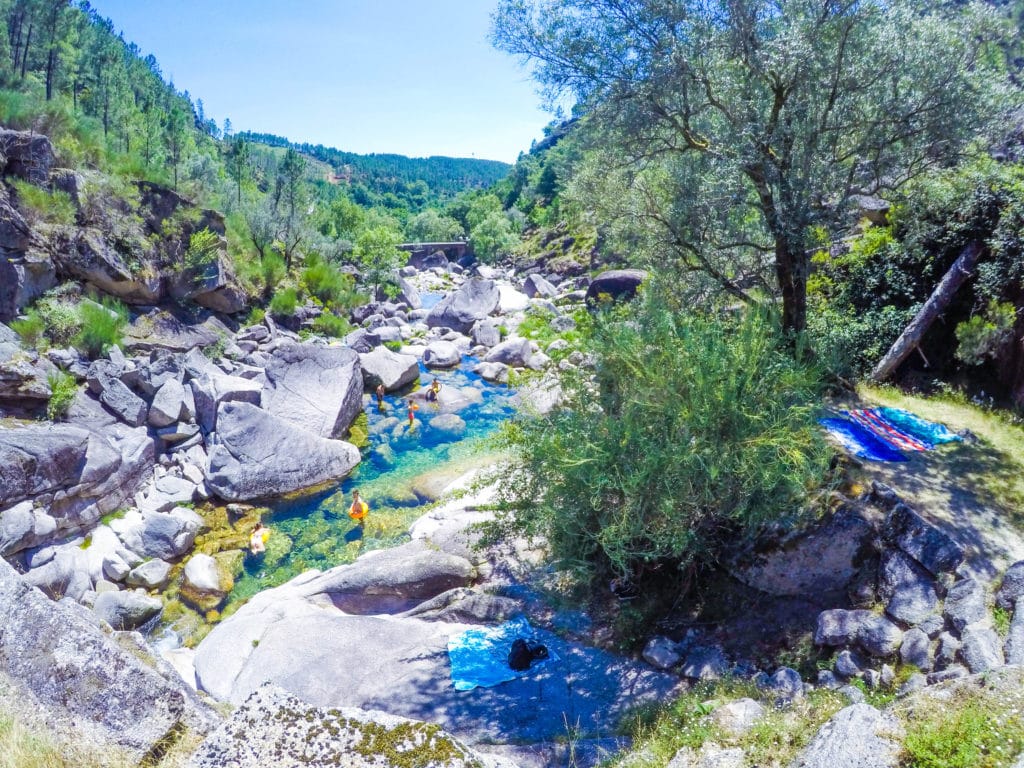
981, 336
693, 435
102, 326
271, 272
256, 315
31, 328
324, 281
40, 205
394, 346
975, 732
203, 249
329, 324
61, 318
284, 302
63, 389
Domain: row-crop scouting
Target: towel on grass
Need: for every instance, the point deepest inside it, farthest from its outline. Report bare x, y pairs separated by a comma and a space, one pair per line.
479, 656
879, 434
859, 440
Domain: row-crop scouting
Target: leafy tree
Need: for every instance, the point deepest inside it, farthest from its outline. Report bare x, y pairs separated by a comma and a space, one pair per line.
377, 255
290, 197
431, 226
692, 436
741, 126
238, 161
493, 237
178, 139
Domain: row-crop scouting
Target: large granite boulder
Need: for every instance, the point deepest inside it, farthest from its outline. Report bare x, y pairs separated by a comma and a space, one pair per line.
258, 455
212, 389
475, 300
616, 284
318, 389
394, 371
855, 737
169, 404
63, 664
515, 352
173, 329
392, 580
535, 286
126, 610
281, 730
928, 545
27, 155
908, 589
23, 377
166, 535
442, 354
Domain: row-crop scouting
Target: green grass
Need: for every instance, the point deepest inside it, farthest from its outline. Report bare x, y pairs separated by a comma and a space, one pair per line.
102, 326
993, 467
42, 206
974, 729
63, 388
329, 324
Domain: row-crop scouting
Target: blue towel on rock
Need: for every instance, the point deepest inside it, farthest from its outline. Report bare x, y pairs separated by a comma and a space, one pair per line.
859, 440
479, 656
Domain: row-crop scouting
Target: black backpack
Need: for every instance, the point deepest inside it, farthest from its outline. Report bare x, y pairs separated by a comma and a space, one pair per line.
524, 652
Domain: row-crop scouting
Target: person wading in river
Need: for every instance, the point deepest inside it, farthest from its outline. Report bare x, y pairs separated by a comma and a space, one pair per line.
359, 509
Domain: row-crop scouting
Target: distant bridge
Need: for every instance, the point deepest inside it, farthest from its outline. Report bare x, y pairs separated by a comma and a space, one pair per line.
454, 250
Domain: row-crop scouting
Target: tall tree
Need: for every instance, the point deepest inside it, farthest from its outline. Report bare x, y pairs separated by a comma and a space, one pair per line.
756, 122
290, 196
238, 160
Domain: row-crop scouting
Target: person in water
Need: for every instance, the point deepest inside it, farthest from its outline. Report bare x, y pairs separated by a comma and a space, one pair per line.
432, 393
413, 407
380, 395
359, 508
258, 539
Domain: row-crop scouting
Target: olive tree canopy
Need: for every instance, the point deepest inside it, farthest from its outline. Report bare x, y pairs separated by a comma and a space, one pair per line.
744, 127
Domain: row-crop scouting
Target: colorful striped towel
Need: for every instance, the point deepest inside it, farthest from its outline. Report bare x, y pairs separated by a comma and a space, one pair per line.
880, 434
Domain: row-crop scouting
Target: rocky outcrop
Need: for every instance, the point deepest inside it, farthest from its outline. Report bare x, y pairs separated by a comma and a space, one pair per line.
24, 378
318, 389
394, 371
475, 300
855, 737
259, 456
274, 728
27, 155
60, 660
616, 284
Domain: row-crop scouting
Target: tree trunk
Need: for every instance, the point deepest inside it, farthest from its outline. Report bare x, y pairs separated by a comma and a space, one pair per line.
791, 272
951, 282
24, 55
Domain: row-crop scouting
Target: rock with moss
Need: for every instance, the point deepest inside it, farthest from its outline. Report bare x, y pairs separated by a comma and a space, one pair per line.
126, 610
205, 582
273, 728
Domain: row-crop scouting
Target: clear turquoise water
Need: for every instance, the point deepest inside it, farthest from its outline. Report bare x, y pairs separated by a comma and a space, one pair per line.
316, 532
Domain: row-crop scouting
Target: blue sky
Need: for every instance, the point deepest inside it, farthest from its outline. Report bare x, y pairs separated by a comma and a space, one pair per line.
416, 77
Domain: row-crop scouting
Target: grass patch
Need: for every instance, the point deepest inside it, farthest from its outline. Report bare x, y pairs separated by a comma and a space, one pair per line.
102, 326
774, 740
63, 389
42, 206
329, 324
993, 467
974, 729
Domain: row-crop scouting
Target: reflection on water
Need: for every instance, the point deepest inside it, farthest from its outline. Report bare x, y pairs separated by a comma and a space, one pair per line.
394, 478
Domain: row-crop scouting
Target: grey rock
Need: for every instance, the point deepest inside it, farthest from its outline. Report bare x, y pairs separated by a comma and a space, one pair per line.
474, 300
392, 580
947, 650
60, 661
785, 685
848, 664
202, 574
515, 352
27, 155
450, 425
486, 333
907, 588
123, 403
887, 675
210, 390
872, 678
738, 716
932, 625
23, 376
858, 736
493, 372
442, 354
17, 528
562, 323
536, 286
952, 672
318, 389
852, 693
879, 636
260, 456
705, 663
1012, 586
115, 569
616, 284
982, 649
164, 535
168, 404
929, 546
153, 574
281, 730
466, 605
827, 680
394, 371
661, 653
915, 682
1014, 647
965, 604
126, 610
362, 340
839, 626
916, 649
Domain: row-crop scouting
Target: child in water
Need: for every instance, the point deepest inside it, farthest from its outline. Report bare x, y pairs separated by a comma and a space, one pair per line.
413, 407
359, 509
258, 539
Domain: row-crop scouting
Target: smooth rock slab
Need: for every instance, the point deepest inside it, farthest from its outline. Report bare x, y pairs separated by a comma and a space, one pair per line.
442, 354
259, 456
739, 716
858, 736
982, 649
394, 371
126, 610
475, 300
